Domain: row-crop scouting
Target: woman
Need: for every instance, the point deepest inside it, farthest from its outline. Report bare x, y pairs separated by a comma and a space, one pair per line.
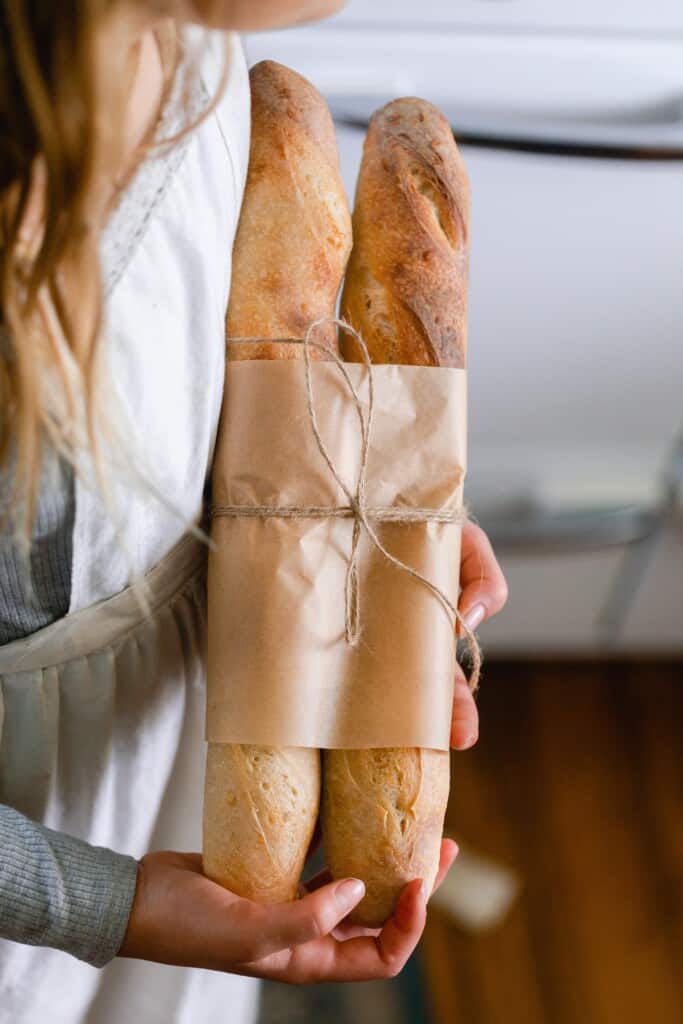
114, 281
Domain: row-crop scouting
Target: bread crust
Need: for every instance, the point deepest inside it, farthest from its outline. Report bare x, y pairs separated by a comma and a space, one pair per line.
406, 292
406, 285
294, 236
382, 818
260, 810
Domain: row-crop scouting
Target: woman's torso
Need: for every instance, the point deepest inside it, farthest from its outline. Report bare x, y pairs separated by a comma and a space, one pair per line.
102, 713
166, 275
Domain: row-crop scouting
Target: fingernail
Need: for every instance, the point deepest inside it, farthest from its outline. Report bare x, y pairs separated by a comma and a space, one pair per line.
423, 892
348, 893
475, 616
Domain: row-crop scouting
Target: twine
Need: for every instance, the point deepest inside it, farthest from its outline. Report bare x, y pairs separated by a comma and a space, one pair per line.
357, 507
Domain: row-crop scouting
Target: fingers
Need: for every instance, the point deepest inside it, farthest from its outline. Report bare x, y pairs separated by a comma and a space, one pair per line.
484, 588
181, 917
369, 955
449, 851
464, 716
281, 926
344, 931
364, 958
402, 932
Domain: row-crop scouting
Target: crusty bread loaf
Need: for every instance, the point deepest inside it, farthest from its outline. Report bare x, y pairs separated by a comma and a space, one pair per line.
383, 814
406, 285
406, 292
260, 809
294, 234
293, 240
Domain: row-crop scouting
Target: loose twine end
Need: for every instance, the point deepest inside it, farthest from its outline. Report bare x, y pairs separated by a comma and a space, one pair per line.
357, 508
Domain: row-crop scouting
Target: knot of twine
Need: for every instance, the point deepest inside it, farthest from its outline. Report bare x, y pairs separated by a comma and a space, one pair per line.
363, 515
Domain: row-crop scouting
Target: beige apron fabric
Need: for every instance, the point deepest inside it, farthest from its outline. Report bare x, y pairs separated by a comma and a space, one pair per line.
102, 737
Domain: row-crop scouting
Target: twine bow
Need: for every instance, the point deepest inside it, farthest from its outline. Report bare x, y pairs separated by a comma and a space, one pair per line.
357, 508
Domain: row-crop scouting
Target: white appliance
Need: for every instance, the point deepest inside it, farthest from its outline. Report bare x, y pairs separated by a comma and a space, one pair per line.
570, 119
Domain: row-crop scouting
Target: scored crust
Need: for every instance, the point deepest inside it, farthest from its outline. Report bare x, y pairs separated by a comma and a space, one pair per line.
406, 285
294, 234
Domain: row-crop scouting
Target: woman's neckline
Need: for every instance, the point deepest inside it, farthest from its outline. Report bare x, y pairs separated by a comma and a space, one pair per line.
156, 58
127, 220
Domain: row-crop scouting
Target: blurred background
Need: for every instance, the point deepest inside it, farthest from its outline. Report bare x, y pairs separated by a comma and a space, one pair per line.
566, 906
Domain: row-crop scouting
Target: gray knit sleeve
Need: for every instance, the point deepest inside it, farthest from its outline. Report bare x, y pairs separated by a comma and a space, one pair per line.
58, 891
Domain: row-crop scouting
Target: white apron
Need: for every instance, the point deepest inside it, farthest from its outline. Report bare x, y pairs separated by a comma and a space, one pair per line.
102, 712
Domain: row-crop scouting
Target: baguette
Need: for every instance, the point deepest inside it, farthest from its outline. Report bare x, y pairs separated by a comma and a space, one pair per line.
406, 293
406, 285
260, 809
294, 235
293, 241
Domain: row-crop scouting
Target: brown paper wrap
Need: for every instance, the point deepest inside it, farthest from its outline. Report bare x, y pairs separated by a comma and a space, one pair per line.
280, 669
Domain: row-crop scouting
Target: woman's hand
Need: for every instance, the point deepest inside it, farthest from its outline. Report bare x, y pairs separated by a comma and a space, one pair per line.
181, 917
484, 593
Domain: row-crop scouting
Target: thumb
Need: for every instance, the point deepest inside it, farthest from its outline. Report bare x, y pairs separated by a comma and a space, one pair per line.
317, 914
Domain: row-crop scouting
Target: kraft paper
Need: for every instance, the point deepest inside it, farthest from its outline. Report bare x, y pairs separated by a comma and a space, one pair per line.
280, 669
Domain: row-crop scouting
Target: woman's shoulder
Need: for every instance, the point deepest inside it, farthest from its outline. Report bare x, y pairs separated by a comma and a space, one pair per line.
225, 68
208, 111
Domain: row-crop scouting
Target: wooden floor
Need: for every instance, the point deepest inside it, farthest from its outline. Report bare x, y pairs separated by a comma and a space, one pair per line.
577, 783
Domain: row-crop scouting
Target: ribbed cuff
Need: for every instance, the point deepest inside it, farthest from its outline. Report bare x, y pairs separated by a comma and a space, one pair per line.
61, 892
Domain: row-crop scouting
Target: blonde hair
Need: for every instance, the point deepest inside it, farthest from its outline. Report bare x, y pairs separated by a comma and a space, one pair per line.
64, 84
